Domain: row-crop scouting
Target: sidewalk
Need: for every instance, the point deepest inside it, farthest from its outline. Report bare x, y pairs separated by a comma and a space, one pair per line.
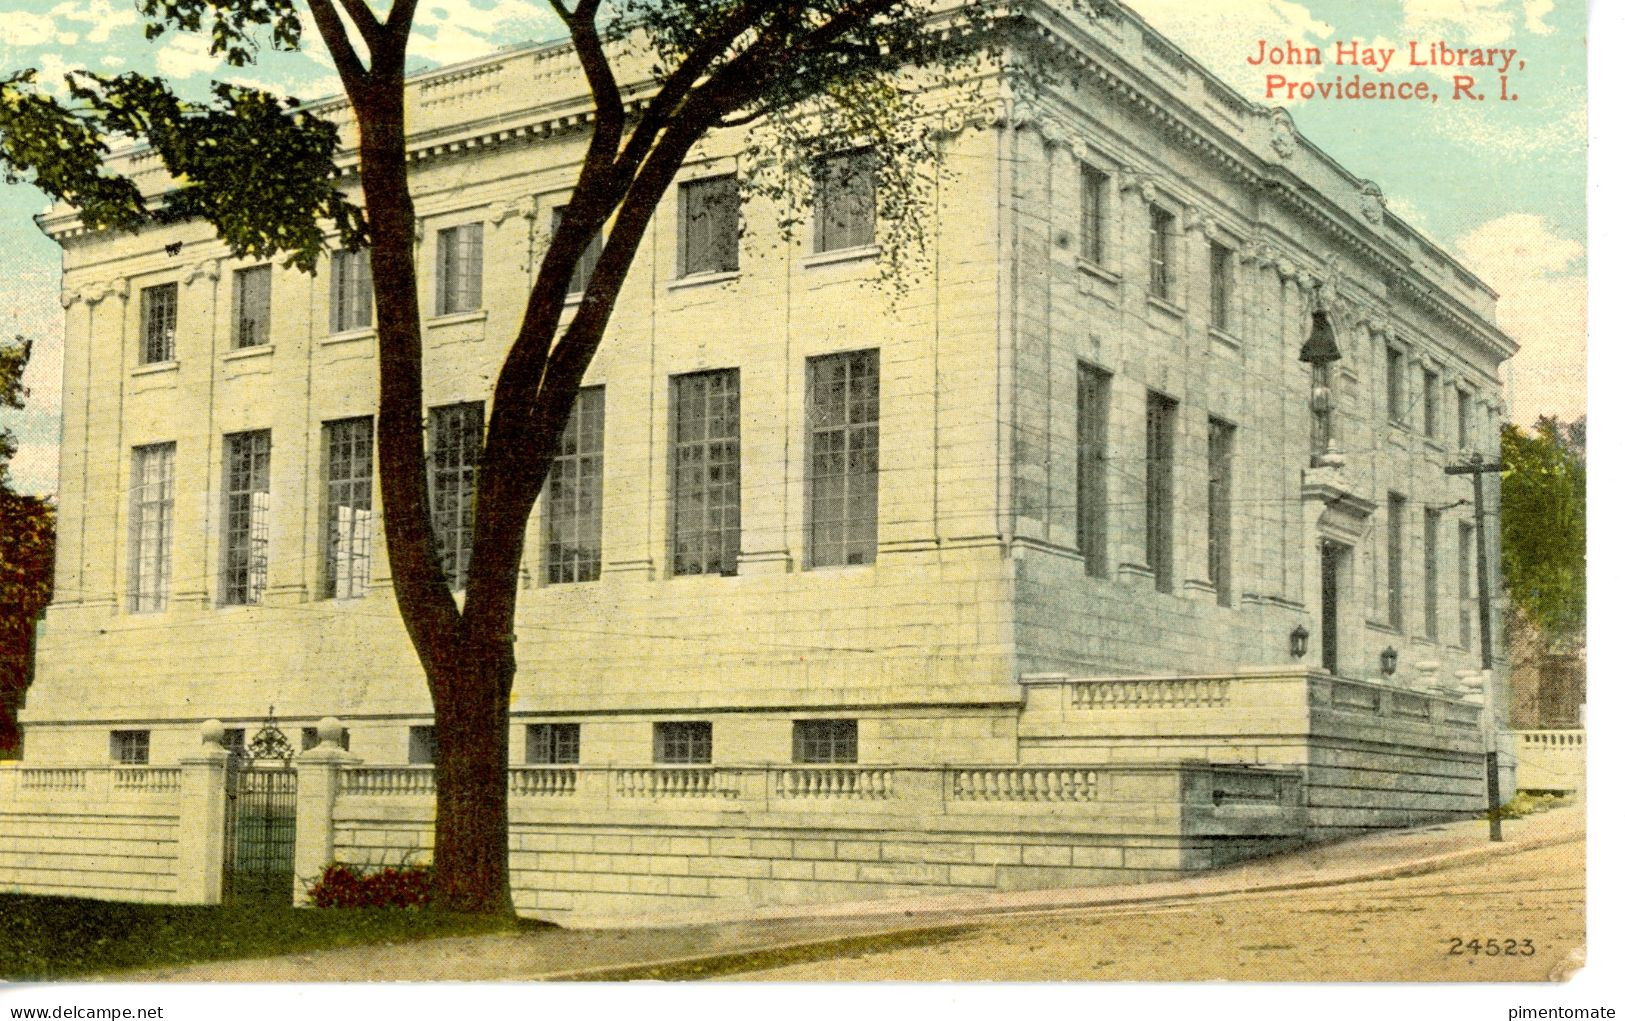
606, 947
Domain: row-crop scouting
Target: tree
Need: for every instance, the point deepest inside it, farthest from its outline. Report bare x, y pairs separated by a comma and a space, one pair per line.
813, 73
27, 548
1543, 524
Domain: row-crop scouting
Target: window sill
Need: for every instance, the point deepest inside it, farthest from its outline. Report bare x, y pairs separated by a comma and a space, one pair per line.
156, 368
252, 351
1224, 337
703, 279
1164, 305
1099, 272
837, 568
854, 254
364, 333
1383, 626
1434, 444
455, 318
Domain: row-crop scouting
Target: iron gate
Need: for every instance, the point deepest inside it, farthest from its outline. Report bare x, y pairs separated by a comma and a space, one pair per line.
261, 793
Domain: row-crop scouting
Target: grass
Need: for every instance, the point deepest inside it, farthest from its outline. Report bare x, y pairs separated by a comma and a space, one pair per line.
63, 937
1527, 803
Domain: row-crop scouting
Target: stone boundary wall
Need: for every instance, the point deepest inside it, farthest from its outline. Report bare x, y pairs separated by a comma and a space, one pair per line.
1551, 760
606, 841
1373, 755
109, 832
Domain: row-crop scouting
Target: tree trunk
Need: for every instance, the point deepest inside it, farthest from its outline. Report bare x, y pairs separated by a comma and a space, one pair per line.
471, 778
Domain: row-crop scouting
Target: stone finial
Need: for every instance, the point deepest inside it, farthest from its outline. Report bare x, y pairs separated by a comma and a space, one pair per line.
329, 732
212, 733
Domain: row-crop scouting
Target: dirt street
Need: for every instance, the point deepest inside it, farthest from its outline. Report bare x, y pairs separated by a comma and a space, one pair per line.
1390, 930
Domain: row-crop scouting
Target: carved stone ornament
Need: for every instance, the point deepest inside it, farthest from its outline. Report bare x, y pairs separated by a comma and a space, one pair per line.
501, 211
1136, 181
207, 268
1372, 202
1283, 135
97, 292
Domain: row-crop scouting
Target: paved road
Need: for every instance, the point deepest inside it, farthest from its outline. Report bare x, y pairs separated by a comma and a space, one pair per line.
1382, 906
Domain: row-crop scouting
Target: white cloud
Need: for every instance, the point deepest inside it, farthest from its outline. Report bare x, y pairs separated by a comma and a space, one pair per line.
447, 31
18, 28
1541, 279
103, 16
1461, 22
185, 54
1534, 15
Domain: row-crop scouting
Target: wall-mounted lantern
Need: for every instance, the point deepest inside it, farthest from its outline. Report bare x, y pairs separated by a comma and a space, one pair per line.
1390, 661
1299, 639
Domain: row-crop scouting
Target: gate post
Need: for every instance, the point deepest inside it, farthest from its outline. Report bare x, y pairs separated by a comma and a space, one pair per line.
201, 837
319, 772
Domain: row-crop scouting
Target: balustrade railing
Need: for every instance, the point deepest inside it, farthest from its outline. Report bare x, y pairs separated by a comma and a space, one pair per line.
1152, 693
674, 782
385, 781
542, 781
1023, 783
51, 779
146, 779
835, 783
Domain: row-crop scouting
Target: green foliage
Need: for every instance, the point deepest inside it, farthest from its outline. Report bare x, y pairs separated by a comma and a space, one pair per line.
1543, 523
231, 23
27, 556
60, 937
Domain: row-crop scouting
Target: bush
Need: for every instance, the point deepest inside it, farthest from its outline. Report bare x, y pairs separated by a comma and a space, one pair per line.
355, 886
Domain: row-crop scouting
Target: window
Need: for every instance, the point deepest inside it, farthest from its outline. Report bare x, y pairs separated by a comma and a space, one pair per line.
705, 484
349, 304
422, 747
347, 558
309, 738
152, 526
1221, 438
844, 200
458, 279
1094, 407
553, 744
1092, 229
158, 306
456, 433
1467, 594
1430, 404
1430, 572
1464, 420
710, 211
1219, 286
825, 741
1162, 253
251, 307
843, 454
1396, 561
679, 743
247, 541
589, 256
1396, 385
130, 747
575, 486
1160, 415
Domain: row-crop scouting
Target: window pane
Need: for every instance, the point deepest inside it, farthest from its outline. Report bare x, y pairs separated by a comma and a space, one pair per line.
246, 546
844, 200
705, 483
1093, 229
710, 225
830, 741
843, 476
348, 551
1396, 561
456, 433
152, 515
575, 482
460, 269
350, 292
251, 307
589, 256
1159, 488
1094, 404
158, 307
1220, 447
682, 743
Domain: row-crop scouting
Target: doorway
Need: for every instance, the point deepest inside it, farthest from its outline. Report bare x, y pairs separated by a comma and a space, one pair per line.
1332, 556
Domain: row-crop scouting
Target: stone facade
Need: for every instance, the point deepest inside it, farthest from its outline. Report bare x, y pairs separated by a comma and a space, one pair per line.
1103, 508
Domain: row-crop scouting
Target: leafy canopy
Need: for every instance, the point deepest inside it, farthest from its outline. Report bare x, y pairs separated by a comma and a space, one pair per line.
1543, 523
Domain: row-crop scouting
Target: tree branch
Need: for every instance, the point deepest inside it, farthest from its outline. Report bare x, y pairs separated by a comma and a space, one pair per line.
365, 21
351, 71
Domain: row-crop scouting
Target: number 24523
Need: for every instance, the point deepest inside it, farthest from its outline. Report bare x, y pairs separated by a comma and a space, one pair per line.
1492, 947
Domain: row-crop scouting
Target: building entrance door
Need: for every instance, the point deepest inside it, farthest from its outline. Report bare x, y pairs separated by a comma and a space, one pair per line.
262, 789
1331, 557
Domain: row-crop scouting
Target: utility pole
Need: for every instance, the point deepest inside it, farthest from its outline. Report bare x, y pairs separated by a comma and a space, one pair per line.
1476, 466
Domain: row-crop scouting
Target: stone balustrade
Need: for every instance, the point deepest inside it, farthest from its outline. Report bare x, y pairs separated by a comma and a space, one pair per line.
1550, 760
1018, 783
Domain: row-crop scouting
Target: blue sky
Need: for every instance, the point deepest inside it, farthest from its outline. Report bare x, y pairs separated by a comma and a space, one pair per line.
1499, 184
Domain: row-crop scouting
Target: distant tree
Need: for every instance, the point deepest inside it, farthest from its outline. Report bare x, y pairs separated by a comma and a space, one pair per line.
660, 75
27, 550
1543, 524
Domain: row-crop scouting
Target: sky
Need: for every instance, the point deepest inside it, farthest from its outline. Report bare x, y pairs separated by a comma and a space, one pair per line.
1498, 184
